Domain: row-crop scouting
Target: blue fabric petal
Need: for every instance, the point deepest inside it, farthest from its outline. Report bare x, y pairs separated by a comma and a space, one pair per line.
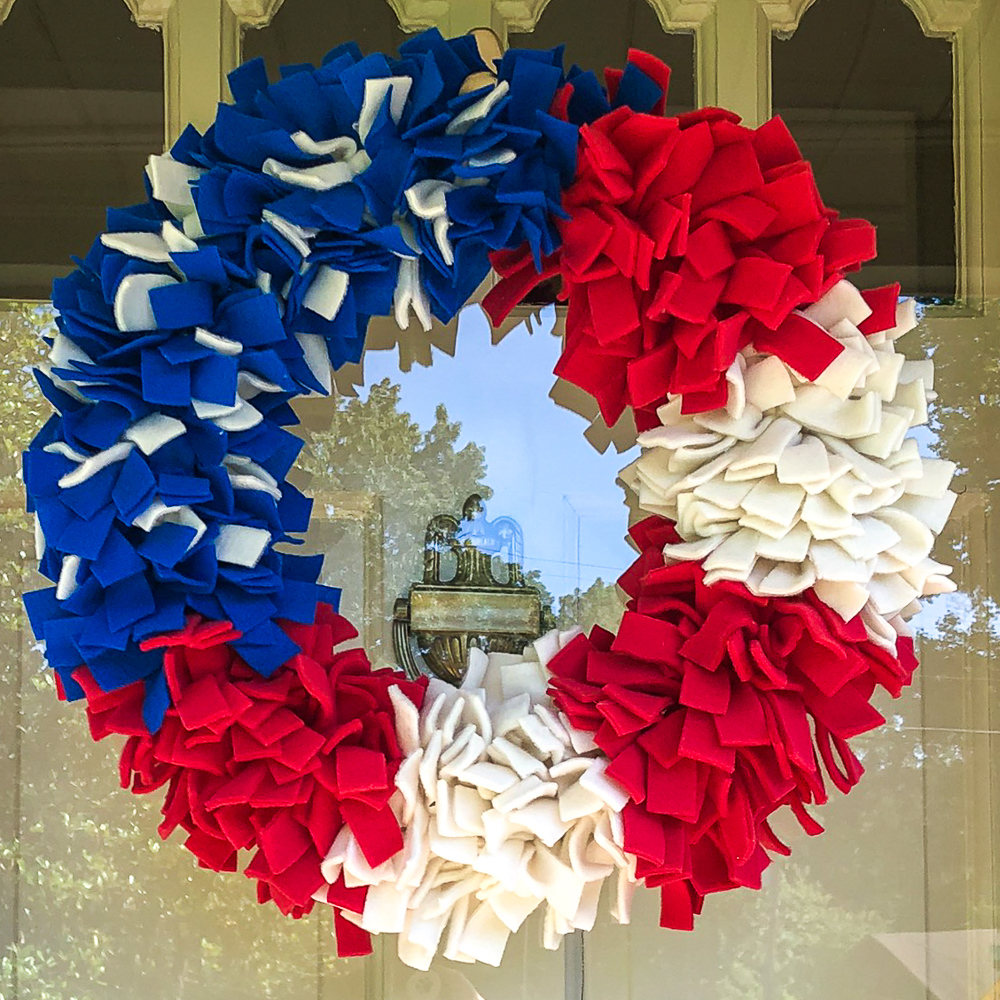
636, 90
153, 450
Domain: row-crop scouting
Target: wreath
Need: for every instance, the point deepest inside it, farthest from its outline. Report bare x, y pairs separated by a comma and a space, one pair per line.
789, 517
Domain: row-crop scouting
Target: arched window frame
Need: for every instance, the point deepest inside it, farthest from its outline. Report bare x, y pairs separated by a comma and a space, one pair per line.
202, 44
975, 43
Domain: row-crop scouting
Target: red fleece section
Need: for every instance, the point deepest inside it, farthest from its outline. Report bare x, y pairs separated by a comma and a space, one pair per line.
275, 765
679, 231
717, 707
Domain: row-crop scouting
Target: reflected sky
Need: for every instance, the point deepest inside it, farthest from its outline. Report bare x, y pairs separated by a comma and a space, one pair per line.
543, 471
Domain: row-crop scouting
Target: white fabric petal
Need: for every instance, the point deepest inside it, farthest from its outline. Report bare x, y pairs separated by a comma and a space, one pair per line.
224, 345
342, 147
397, 88
245, 481
39, 539
154, 431
145, 246
67, 583
410, 294
802, 484
317, 357
326, 292
427, 199
159, 513
92, 465
505, 810
240, 417
250, 384
843, 301
492, 158
242, 465
407, 721
241, 545
477, 111
132, 308
321, 177
298, 236
66, 354
176, 240
171, 182
193, 228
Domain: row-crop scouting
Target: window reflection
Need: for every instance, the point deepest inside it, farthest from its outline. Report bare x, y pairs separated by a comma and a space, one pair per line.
896, 901
473, 593
81, 107
305, 30
480, 423
869, 99
598, 34
93, 905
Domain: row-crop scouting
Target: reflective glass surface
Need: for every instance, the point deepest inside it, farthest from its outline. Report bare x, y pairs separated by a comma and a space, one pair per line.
598, 34
898, 900
305, 30
899, 891
81, 108
868, 97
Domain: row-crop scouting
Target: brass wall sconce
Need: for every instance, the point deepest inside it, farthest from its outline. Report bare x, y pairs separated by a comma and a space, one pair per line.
441, 619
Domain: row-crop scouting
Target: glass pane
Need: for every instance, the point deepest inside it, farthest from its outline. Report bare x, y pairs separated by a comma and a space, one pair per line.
81, 108
93, 904
443, 431
896, 893
813, 931
305, 30
869, 98
421, 440
448, 430
899, 897
598, 34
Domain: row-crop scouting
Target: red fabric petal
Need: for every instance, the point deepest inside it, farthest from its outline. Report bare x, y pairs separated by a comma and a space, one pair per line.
657, 70
274, 764
801, 344
717, 707
352, 941
685, 222
848, 243
375, 829
284, 840
677, 908
882, 302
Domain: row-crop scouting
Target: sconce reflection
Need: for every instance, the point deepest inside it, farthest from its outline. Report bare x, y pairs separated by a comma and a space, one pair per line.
441, 618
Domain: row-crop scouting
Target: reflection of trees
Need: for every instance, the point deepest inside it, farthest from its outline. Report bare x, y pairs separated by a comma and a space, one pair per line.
808, 934
600, 604
966, 353
23, 410
896, 857
103, 908
372, 446
777, 946
533, 578
107, 911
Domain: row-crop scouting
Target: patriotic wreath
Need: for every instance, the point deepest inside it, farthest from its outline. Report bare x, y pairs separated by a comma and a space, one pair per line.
790, 522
